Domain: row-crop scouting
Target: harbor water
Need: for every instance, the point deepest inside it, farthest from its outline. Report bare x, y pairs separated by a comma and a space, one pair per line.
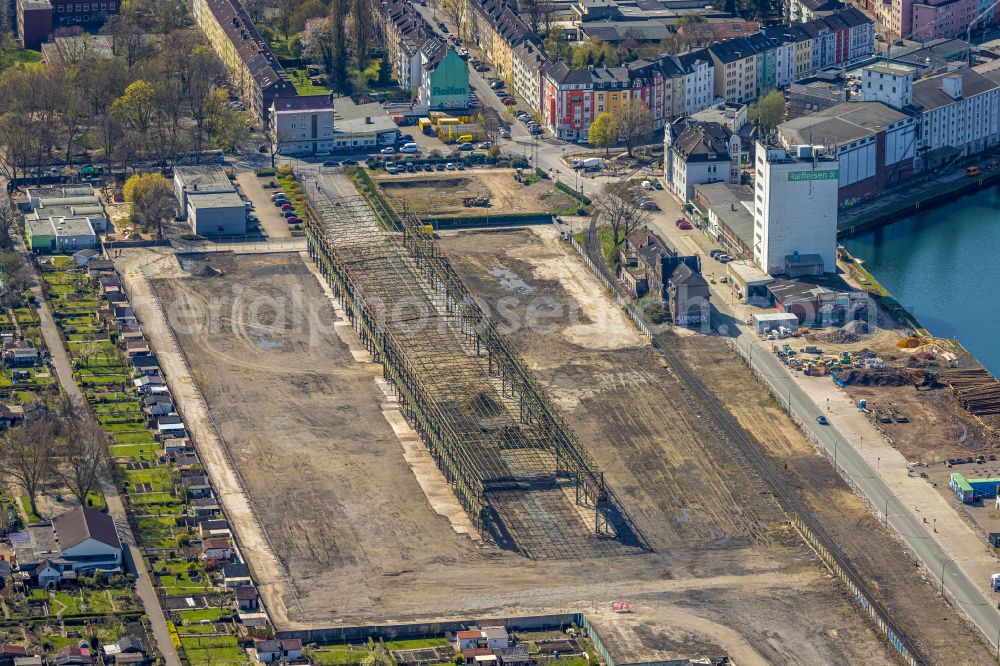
943, 265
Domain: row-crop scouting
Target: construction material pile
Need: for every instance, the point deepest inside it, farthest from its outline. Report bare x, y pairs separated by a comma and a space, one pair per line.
891, 377
977, 390
837, 336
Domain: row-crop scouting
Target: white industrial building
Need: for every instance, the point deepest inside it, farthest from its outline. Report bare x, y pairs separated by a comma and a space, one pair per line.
205, 178
67, 202
209, 202
50, 234
795, 210
216, 214
959, 115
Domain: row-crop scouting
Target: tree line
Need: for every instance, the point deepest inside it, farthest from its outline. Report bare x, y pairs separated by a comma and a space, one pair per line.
162, 94
54, 444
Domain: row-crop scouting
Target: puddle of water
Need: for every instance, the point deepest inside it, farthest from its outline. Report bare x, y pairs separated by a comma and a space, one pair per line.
510, 281
262, 341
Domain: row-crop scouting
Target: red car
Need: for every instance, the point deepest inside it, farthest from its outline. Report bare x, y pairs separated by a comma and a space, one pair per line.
287, 206
507, 101
684, 225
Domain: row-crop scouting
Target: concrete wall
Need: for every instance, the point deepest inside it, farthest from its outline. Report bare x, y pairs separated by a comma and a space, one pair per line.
420, 630
218, 221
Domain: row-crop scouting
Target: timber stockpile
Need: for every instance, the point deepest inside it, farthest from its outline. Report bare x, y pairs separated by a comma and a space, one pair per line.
976, 390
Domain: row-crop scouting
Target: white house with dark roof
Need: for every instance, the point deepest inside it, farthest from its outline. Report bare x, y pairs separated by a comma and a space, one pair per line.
699, 152
302, 125
80, 540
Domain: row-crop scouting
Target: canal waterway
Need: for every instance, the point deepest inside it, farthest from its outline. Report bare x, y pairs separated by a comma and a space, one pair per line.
943, 265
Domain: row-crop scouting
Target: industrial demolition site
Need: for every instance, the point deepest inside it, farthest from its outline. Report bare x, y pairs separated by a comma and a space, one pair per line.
421, 430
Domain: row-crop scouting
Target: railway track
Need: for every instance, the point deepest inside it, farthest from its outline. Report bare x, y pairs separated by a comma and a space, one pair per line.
733, 436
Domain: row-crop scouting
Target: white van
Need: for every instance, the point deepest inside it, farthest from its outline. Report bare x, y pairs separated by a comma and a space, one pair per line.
646, 185
408, 148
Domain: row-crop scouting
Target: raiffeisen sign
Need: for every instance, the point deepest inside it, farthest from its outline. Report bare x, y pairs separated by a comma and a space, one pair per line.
823, 174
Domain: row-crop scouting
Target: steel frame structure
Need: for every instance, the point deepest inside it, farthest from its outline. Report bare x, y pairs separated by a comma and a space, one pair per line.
459, 383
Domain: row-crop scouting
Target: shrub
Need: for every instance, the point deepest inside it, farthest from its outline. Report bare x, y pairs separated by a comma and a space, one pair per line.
265, 173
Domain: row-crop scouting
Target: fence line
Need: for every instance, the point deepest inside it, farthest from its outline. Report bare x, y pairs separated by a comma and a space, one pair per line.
222, 443
833, 561
879, 617
613, 292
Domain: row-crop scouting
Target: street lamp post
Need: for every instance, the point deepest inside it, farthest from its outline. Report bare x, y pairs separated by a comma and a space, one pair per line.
943, 565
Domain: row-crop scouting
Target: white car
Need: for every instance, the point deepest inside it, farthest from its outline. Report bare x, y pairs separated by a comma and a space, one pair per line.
387, 151
449, 166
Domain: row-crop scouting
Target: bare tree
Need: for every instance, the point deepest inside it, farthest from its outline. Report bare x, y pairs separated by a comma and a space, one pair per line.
455, 10
620, 208
491, 124
83, 457
634, 123
28, 454
8, 222
538, 14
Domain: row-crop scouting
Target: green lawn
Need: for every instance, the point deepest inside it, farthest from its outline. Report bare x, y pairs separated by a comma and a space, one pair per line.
337, 655
416, 643
32, 517
144, 437
179, 586
300, 79
231, 656
137, 451
200, 615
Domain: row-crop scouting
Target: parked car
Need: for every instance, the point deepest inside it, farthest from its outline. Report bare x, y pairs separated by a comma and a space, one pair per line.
657, 184
330, 163
428, 167
714, 253
249, 205
501, 93
439, 166
723, 258
387, 151
282, 202
277, 195
465, 146
505, 134
460, 166
292, 219
684, 225
485, 145
822, 420
508, 101
350, 162
287, 206
449, 166
289, 213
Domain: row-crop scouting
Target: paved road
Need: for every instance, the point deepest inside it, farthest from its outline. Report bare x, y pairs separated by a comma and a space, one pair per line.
64, 371
842, 446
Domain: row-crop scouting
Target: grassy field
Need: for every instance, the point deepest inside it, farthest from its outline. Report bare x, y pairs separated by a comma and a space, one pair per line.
300, 79
338, 655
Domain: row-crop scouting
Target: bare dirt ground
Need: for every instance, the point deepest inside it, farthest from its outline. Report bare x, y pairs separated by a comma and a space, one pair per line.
354, 514
698, 510
983, 515
914, 602
938, 427
442, 192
